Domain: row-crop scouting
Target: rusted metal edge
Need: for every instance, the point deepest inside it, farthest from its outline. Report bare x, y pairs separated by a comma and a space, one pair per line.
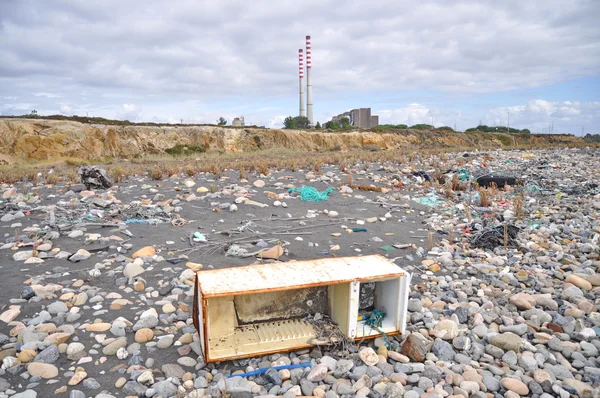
317, 284
300, 347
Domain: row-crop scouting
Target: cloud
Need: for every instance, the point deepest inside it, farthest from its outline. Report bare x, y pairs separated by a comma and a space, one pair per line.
65, 109
129, 112
216, 57
47, 95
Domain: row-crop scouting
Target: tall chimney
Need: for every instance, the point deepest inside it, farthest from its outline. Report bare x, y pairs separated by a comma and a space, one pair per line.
309, 100
301, 75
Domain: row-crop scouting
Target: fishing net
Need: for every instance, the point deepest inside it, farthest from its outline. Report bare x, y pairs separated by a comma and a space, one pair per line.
310, 194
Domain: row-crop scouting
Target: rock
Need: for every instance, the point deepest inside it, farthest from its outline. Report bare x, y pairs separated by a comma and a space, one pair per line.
396, 356
48, 355
507, 342
112, 348
133, 269
272, 375
523, 301
43, 370
515, 385
98, 327
134, 389
443, 350
173, 370
235, 385
446, 329
318, 373
164, 389
369, 357
583, 389
416, 347
144, 335
147, 251
259, 183
57, 307
9, 315
579, 282
80, 255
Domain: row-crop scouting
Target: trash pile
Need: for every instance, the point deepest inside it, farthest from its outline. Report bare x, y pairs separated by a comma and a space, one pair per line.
503, 247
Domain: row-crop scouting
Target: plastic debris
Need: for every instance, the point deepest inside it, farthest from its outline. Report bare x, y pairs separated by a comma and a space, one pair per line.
430, 200
492, 237
422, 174
135, 221
198, 237
501, 182
311, 194
94, 177
236, 251
260, 371
387, 248
359, 230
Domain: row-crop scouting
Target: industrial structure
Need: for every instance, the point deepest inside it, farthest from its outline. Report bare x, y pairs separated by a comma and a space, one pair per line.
360, 118
238, 122
309, 99
301, 79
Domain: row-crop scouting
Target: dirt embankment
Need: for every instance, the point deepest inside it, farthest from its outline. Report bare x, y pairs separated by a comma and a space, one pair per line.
41, 139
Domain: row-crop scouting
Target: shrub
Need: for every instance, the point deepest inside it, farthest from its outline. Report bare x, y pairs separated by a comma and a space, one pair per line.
185, 150
371, 148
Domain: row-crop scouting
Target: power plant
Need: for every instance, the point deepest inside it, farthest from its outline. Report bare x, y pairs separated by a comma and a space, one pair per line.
307, 110
301, 78
309, 100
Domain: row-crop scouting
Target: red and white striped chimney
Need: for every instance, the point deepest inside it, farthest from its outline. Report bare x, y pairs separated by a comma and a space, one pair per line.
309, 101
301, 78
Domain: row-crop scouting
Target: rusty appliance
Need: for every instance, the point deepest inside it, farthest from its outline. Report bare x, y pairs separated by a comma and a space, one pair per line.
260, 309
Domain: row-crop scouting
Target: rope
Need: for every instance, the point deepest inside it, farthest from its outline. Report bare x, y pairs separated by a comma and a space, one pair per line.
374, 321
310, 194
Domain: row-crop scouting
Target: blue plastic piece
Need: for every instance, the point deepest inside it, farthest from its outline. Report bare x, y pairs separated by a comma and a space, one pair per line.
264, 370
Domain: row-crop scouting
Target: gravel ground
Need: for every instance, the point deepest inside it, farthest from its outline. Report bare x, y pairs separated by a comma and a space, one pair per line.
102, 308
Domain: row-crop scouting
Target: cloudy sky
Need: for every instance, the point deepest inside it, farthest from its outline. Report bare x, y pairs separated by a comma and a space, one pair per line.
453, 62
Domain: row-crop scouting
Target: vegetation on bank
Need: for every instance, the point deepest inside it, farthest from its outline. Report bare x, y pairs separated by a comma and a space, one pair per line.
595, 138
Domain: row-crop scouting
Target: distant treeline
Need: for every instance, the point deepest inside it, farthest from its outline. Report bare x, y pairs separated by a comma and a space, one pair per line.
591, 137
481, 127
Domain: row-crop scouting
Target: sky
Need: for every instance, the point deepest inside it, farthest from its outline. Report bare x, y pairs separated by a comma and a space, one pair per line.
533, 64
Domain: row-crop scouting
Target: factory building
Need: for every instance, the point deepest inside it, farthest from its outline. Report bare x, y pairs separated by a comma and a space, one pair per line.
360, 118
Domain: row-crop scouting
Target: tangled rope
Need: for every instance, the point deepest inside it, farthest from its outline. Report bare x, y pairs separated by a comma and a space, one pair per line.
310, 194
374, 321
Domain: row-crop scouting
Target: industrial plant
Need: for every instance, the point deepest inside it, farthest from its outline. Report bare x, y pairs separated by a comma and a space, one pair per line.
308, 111
360, 118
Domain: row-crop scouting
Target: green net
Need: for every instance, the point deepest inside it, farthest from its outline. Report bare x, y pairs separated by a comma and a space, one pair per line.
310, 194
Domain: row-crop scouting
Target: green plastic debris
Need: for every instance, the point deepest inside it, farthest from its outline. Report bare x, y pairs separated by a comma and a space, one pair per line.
429, 200
199, 237
310, 194
463, 175
388, 248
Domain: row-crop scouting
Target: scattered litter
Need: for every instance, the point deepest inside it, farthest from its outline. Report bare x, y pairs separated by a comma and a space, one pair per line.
273, 253
136, 221
94, 177
261, 371
199, 237
422, 174
359, 230
500, 182
388, 248
492, 237
430, 200
236, 251
311, 194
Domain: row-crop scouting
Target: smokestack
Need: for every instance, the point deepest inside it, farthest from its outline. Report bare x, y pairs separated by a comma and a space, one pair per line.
309, 100
301, 75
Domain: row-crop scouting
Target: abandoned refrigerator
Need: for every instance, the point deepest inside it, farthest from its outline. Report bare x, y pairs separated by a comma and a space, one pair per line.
260, 309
